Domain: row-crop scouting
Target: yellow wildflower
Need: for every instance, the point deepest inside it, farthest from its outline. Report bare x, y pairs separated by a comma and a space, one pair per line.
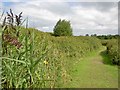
45, 62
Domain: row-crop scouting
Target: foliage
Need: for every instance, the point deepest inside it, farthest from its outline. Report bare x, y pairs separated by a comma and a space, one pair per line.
112, 46
112, 51
23, 64
33, 59
104, 42
112, 43
107, 37
63, 28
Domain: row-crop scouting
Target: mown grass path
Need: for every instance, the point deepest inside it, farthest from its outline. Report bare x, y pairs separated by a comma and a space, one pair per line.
94, 71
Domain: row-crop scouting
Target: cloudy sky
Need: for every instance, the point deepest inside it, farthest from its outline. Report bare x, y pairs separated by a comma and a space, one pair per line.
85, 17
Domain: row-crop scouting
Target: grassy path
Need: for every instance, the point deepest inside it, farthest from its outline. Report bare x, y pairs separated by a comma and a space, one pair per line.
94, 71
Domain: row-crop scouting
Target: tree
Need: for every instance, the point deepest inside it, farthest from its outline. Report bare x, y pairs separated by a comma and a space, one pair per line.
94, 35
87, 35
63, 28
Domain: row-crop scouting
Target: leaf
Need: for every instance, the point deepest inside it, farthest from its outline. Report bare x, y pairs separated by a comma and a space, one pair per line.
38, 60
8, 14
20, 15
4, 21
8, 67
13, 60
23, 22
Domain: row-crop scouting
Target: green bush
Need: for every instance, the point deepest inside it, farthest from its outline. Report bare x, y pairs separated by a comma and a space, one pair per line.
112, 51
63, 28
104, 42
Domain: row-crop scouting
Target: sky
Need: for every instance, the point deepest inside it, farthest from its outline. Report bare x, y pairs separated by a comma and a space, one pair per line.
85, 17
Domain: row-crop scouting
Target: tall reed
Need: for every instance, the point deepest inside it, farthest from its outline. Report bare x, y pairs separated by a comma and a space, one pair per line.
19, 62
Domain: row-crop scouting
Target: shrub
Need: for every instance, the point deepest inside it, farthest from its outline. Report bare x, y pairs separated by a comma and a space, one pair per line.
112, 51
104, 42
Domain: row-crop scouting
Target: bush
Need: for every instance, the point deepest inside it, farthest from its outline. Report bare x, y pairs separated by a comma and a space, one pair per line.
104, 42
112, 51
63, 28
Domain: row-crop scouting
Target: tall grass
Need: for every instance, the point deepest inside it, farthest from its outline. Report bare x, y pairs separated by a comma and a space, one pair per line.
1, 16
19, 60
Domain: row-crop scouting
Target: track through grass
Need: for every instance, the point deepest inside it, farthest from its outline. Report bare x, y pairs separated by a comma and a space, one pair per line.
93, 72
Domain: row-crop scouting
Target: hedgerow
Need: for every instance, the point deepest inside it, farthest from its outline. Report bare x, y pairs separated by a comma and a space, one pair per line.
113, 51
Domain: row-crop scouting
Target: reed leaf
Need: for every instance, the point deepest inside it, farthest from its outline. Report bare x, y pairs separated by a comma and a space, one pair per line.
13, 60
9, 68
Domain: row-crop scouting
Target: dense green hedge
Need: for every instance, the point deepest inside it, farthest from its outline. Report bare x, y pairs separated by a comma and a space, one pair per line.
68, 50
112, 51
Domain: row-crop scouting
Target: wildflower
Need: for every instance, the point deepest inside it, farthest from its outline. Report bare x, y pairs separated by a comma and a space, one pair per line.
45, 62
48, 77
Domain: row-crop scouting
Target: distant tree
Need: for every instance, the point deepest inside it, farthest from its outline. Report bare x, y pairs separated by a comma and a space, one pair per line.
87, 35
63, 28
94, 35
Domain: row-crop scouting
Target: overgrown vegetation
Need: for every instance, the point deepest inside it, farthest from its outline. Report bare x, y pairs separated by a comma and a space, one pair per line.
112, 47
107, 37
112, 51
34, 59
23, 64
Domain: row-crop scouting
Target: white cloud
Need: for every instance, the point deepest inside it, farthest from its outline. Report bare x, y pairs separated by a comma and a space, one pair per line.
64, 0
85, 18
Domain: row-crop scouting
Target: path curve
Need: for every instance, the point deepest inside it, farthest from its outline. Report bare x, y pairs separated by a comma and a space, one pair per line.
92, 72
